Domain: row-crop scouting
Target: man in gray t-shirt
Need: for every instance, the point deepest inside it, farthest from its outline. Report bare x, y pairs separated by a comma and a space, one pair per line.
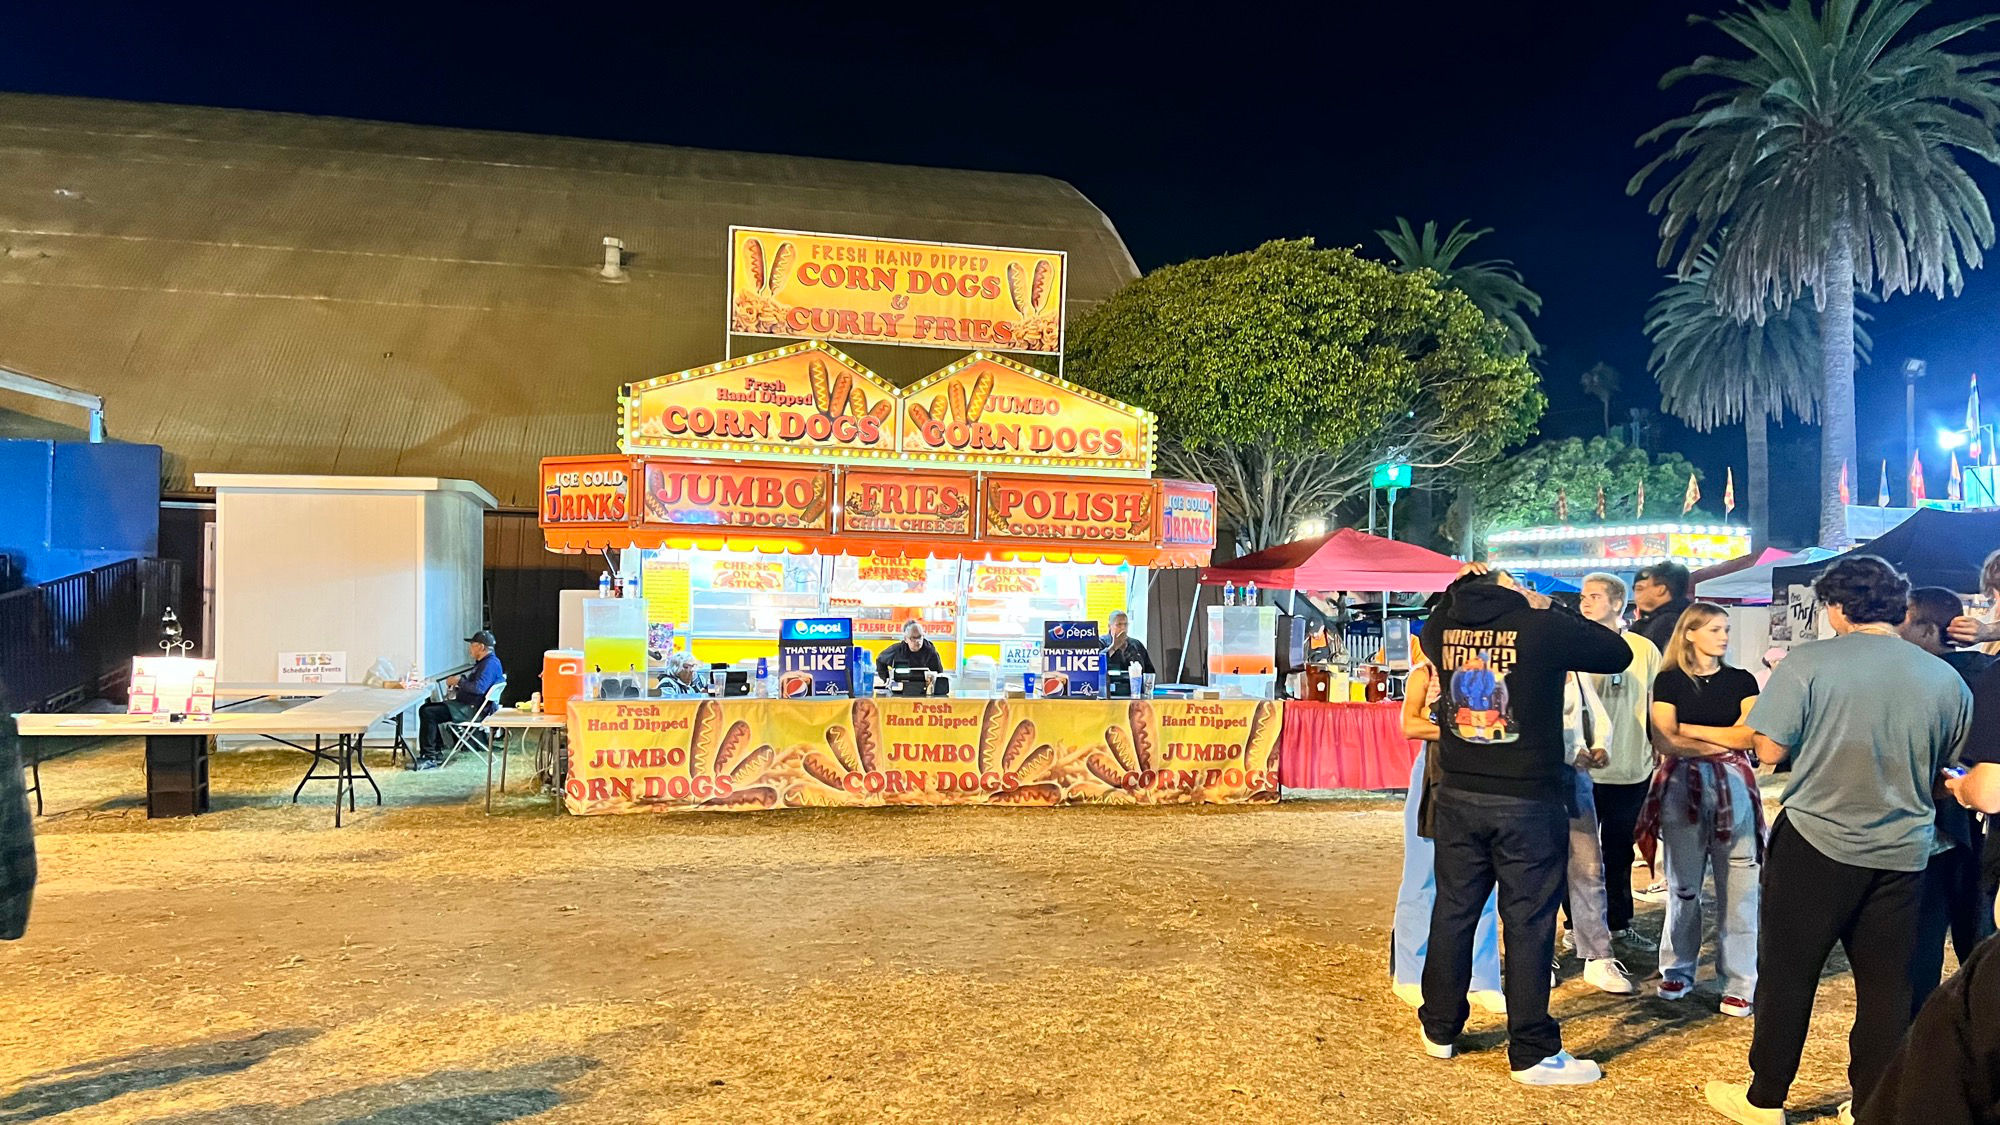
1867, 719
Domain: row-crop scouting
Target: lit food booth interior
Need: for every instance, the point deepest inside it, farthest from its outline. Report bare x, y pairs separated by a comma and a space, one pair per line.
1009, 512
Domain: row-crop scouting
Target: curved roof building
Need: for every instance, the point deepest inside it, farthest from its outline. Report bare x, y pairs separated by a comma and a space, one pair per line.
261, 292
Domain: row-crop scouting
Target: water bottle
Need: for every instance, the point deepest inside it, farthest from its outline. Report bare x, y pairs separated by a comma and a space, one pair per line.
604, 585
1228, 593
1250, 593
413, 679
763, 678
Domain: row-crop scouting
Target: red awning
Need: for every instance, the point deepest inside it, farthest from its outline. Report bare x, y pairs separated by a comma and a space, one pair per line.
1346, 560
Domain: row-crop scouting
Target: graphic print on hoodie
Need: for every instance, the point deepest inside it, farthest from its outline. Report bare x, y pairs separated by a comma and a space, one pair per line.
1503, 663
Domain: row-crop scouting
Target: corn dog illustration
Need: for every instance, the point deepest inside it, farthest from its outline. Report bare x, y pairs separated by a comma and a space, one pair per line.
1260, 748
1143, 754
703, 739
840, 740
880, 412
814, 510
1120, 743
1045, 793
982, 389
813, 797
958, 403
755, 797
781, 263
867, 735
751, 765
837, 405
1105, 769
938, 409
754, 250
822, 767
991, 723
1036, 764
1017, 290
821, 383
1039, 294
733, 742
1017, 746
920, 418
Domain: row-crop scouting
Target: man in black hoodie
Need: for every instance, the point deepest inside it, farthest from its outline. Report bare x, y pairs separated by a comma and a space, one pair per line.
1501, 809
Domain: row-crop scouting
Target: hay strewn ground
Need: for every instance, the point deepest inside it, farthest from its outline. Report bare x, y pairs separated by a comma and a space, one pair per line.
427, 964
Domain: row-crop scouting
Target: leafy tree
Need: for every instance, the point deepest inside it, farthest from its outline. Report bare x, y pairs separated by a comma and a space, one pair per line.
1494, 285
1522, 490
1714, 369
1282, 375
1601, 383
1831, 154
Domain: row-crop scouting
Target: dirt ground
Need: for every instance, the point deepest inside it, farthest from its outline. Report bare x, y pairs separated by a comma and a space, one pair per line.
430, 964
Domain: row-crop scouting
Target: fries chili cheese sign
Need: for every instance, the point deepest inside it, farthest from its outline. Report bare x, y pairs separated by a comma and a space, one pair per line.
906, 502
638, 756
888, 291
693, 494
790, 403
988, 410
1067, 508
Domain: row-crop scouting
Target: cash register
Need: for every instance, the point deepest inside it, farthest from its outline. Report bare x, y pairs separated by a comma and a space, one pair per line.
904, 680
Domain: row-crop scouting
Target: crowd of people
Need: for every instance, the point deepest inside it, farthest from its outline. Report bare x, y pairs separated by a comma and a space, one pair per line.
1560, 743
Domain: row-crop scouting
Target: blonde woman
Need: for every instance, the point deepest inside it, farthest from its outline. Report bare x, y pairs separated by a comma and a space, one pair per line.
1705, 807
1418, 892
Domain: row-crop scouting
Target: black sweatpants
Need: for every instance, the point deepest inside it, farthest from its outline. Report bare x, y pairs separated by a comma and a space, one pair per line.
1522, 845
1809, 903
1618, 808
1953, 909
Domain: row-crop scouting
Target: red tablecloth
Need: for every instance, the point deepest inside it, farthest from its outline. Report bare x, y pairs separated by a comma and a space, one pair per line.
1344, 746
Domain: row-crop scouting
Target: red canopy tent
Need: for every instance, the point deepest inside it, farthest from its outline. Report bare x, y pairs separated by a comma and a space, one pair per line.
1345, 560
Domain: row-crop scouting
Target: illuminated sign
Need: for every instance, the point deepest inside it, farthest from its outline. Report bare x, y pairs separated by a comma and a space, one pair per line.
798, 284
1080, 510
906, 502
738, 496
586, 490
988, 410
792, 403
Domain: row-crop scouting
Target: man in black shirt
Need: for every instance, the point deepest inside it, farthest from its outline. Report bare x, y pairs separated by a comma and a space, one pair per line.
914, 651
1947, 1072
1661, 593
1122, 649
1501, 807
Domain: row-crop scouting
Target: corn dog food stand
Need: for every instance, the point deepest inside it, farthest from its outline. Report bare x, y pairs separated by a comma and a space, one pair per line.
984, 499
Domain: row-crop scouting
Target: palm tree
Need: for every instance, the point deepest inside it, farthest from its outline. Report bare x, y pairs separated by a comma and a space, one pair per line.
1494, 285
1714, 369
1831, 153
1601, 383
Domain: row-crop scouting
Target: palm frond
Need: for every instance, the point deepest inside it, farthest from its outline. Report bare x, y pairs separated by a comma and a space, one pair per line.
1494, 285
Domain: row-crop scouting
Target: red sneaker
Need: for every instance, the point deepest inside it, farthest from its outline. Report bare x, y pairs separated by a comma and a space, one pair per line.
1671, 989
1736, 1006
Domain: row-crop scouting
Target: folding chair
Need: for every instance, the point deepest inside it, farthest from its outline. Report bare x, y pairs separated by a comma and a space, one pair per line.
474, 734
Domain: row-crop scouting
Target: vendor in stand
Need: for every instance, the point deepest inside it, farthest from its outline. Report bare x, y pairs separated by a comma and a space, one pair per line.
461, 703
683, 676
1122, 649
914, 651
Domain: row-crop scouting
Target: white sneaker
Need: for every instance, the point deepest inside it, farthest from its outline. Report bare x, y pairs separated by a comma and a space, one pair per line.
1633, 939
1434, 1050
1411, 994
1732, 1100
1738, 1007
1655, 893
1673, 989
1567, 942
1846, 1113
1495, 1002
1607, 975
1560, 1069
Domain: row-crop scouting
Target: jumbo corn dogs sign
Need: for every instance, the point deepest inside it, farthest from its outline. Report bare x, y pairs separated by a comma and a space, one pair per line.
988, 410
888, 291
668, 755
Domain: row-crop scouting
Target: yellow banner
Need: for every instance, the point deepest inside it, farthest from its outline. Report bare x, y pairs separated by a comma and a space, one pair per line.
766, 754
888, 291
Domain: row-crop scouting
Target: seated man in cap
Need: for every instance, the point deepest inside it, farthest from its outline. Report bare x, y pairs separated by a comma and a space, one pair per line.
463, 696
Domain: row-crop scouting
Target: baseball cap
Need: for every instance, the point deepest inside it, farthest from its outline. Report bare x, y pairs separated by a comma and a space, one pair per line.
483, 637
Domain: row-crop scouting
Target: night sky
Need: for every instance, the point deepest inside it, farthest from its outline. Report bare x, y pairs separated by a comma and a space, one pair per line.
1196, 137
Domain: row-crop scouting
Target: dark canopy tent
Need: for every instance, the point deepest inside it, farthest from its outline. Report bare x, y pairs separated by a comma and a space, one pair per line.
1932, 548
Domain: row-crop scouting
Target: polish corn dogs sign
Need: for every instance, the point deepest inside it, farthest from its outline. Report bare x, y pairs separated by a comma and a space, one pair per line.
988, 410
1069, 508
761, 497
798, 401
888, 291
668, 755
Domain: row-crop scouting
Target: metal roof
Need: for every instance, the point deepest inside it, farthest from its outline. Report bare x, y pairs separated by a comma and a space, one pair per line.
272, 293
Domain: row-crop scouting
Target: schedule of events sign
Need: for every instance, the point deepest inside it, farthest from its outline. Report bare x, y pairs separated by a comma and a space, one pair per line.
799, 284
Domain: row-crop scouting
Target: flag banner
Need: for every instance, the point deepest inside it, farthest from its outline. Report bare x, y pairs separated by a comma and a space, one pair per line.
1693, 496
1845, 497
1729, 491
1600, 503
1954, 488
1562, 505
1916, 479
1972, 420
1882, 491
1639, 510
